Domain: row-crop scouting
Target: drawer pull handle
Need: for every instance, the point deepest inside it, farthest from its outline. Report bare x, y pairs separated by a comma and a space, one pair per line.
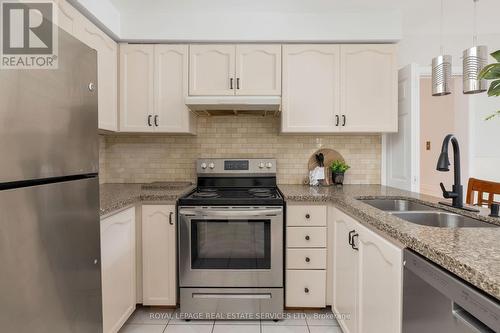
307, 259
307, 237
306, 290
308, 216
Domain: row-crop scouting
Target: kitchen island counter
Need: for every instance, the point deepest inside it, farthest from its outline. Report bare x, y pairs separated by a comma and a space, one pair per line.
473, 254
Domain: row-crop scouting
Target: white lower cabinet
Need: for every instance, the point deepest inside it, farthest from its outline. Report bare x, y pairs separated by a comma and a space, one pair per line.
158, 255
305, 288
305, 281
367, 278
118, 267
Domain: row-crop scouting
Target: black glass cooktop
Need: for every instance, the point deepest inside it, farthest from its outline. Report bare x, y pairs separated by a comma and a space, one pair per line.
233, 196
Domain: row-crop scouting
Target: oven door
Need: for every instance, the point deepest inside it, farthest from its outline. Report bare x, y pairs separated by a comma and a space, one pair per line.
231, 247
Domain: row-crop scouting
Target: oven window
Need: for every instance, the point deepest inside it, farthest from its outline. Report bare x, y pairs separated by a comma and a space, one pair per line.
231, 244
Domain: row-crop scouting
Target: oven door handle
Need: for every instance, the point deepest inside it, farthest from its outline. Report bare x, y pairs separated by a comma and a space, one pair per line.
231, 213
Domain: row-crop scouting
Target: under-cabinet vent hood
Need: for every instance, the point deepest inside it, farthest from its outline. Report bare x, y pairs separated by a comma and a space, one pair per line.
234, 105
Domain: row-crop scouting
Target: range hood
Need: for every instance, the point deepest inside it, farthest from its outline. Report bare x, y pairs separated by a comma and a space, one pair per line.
234, 105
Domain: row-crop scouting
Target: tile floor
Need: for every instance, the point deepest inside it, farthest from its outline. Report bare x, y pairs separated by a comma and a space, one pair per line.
159, 320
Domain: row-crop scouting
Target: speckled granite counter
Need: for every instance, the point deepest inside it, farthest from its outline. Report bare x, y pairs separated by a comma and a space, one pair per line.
471, 253
114, 197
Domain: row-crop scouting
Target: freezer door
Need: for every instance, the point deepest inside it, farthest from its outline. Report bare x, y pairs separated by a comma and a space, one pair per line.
48, 118
50, 279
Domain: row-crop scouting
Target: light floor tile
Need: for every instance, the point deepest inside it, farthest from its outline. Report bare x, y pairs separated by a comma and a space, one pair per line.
324, 329
236, 328
321, 318
189, 329
292, 318
237, 322
134, 328
284, 329
151, 315
177, 320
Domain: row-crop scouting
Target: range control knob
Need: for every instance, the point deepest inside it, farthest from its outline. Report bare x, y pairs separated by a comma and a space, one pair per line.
211, 165
203, 165
261, 165
269, 165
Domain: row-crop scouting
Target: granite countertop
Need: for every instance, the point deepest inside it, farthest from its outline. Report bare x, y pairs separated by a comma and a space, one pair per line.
114, 197
471, 253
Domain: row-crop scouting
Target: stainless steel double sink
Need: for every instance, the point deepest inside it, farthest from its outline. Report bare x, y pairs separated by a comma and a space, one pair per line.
421, 214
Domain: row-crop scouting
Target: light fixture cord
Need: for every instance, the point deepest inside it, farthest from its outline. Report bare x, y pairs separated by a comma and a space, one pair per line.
474, 38
441, 42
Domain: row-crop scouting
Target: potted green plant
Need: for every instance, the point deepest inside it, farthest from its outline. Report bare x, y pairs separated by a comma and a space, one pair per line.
492, 73
338, 168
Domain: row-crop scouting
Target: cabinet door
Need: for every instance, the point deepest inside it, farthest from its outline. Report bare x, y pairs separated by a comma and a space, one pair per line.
345, 271
258, 70
68, 18
171, 88
118, 269
369, 88
311, 79
136, 87
107, 75
380, 284
211, 70
158, 255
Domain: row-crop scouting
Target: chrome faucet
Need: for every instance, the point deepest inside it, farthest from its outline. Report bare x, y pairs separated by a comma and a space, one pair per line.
443, 164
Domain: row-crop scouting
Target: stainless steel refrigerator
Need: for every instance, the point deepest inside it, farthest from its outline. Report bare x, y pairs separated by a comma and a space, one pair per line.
50, 275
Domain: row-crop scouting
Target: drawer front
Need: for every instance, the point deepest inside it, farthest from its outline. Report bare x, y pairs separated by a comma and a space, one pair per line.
303, 216
306, 259
305, 288
306, 237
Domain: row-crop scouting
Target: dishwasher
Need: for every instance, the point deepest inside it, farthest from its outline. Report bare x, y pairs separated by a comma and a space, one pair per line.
436, 301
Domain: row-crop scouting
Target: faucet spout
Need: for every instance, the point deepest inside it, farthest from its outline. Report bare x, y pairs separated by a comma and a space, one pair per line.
456, 194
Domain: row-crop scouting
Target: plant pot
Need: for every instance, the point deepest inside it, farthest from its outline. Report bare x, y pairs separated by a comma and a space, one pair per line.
338, 178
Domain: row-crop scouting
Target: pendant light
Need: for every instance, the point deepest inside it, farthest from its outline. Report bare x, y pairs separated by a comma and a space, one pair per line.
474, 59
441, 67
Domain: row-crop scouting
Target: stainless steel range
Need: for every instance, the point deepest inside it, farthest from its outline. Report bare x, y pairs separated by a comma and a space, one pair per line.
231, 241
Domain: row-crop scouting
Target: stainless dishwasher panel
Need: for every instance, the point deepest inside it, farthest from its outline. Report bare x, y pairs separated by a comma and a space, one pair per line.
434, 300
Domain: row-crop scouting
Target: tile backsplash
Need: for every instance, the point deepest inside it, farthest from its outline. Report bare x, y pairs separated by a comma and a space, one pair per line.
147, 158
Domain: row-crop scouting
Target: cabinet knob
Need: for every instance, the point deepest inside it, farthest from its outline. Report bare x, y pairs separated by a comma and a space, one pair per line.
308, 216
307, 259
306, 290
307, 237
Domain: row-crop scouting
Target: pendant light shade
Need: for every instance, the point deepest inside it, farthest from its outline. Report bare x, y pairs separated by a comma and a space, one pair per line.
441, 67
441, 75
475, 58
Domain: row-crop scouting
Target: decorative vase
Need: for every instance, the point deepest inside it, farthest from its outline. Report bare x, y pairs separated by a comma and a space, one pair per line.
338, 178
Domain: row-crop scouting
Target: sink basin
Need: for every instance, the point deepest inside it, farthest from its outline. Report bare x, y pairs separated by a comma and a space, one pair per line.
397, 205
442, 220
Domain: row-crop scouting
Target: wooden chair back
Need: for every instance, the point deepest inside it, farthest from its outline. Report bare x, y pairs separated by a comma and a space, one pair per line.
482, 187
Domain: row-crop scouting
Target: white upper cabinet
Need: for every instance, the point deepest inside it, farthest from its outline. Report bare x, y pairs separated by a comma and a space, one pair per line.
74, 23
211, 70
136, 88
380, 284
311, 80
258, 70
171, 88
68, 18
107, 74
369, 88
153, 86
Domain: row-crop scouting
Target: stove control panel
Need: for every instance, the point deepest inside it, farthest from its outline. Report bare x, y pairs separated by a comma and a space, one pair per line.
233, 166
